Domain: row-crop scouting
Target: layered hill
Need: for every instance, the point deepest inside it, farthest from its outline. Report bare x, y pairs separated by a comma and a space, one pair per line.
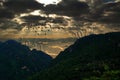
17, 61
95, 57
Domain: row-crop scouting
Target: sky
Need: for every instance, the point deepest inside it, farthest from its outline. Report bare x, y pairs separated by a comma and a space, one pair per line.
18, 20
47, 2
56, 20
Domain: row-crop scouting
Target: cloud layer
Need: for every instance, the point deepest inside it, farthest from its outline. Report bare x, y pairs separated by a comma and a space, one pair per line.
66, 18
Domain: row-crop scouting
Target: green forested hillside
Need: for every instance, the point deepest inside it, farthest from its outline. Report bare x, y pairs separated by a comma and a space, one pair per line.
95, 57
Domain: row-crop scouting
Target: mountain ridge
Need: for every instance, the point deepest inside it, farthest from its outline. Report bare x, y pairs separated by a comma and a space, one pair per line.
94, 57
18, 61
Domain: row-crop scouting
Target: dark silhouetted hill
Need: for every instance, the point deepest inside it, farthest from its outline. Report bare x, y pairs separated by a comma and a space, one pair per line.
18, 62
95, 57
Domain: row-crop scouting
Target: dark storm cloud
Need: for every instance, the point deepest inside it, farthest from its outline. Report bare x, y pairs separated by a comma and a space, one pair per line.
58, 20
108, 13
69, 8
32, 18
10, 8
66, 7
7, 24
67, 2
6, 14
18, 6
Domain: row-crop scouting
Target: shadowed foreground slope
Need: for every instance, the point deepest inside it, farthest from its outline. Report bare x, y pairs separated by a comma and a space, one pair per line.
95, 57
18, 62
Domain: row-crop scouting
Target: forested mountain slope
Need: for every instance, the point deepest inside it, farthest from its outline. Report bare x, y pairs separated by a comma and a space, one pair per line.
95, 57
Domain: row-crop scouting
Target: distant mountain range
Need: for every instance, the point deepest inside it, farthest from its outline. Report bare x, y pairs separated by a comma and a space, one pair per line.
95, 57
18, 62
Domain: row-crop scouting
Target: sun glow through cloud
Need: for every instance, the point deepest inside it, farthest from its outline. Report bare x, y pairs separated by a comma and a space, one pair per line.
47, 2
